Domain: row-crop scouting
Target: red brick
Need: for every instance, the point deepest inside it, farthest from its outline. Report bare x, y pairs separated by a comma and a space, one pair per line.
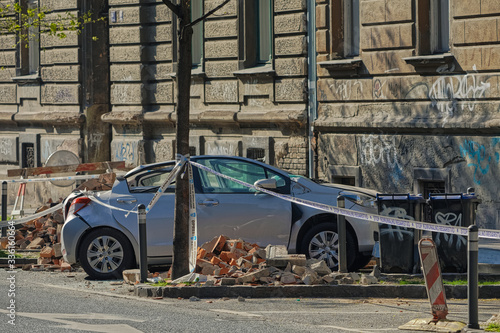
38, 224
65, 267
226, 256
47, 252
221, 242
233, 262
224, 271
239, 253
201, 253
4, 242
43, 261
215, 261
209, 246
19, 235
223, 264
36, 243
247, 246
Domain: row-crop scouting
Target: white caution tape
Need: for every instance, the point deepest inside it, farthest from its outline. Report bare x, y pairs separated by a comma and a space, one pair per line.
39, 180
31, 217
463, 231
99, 202
173, 174
193, 222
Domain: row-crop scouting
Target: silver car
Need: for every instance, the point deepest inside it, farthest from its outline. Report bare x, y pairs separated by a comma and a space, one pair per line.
103, 236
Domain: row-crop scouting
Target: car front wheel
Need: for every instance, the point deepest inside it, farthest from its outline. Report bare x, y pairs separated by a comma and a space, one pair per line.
322, 242
105, 253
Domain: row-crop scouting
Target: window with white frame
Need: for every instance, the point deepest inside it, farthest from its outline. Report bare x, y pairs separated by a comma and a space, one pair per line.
440, 26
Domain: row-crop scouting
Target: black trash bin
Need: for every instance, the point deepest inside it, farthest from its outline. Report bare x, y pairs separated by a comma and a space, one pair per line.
398, 253
452, 210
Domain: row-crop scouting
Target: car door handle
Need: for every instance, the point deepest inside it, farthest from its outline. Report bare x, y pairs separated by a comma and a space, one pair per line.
209, 202
126, 201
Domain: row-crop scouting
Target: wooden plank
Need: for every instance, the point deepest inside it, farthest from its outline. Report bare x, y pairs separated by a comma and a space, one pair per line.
66, 168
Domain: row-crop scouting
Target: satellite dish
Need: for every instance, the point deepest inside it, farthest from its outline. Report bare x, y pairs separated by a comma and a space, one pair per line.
58, 158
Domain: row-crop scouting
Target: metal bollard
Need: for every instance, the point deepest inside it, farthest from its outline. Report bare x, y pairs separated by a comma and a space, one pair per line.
341, 229
4, 207
143, 247
472, 277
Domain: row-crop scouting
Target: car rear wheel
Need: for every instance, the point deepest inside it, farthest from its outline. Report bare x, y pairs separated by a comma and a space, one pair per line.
105, 253
322, 242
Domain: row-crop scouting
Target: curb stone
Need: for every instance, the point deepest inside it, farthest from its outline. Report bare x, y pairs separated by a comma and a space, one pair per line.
294, 291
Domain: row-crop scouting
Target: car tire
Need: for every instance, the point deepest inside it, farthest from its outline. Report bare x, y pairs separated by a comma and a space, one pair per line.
321, 242
105, 253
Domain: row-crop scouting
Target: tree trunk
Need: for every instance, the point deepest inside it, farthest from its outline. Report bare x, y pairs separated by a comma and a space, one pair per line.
180, 263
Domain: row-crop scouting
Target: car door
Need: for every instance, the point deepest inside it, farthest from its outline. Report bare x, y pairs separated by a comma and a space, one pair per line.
159, 220
225, 207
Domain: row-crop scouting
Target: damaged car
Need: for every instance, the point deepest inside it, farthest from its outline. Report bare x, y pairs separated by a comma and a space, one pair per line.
101, 230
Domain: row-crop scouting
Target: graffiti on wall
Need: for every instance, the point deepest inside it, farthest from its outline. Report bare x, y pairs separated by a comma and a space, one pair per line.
378, 149
346, 90
396, 233
451, 241
5, 146
480, 157
447, 91
215, 148
126, 151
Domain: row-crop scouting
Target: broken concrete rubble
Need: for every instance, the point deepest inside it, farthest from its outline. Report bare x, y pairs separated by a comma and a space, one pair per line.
227, 262
43, 234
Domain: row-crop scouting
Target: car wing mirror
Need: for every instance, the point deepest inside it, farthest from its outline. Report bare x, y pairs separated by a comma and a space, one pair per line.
266, 183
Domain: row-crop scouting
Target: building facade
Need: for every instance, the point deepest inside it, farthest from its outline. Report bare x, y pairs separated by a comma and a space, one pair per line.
408, 98
109, 92
401, 96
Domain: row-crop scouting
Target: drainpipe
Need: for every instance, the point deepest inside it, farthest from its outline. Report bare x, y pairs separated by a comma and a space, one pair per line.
311, 76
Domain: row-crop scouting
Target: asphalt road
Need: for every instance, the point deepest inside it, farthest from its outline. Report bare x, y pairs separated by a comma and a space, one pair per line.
62, 302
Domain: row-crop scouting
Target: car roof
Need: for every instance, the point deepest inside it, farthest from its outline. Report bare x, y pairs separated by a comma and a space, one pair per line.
199, 157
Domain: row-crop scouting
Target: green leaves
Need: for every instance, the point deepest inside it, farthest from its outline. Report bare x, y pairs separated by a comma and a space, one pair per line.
27, 23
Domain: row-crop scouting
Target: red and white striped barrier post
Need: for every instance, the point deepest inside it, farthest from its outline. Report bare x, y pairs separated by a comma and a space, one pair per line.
433, 280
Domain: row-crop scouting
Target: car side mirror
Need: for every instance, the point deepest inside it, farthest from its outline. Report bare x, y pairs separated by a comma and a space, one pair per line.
266, 183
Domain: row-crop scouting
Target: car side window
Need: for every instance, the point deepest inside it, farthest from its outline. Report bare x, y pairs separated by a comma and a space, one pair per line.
240, 170
149, 180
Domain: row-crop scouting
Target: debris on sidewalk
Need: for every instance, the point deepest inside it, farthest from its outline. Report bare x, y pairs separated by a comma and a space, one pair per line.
225, 262
44, 233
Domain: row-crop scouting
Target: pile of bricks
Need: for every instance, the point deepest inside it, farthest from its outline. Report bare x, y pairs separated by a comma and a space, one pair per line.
34, 234
44, 233
224, 261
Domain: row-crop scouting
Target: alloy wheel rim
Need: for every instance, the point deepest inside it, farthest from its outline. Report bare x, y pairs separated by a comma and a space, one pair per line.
324, 246
105, 254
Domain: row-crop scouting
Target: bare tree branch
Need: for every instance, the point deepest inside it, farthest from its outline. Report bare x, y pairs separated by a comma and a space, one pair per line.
174, 8
207, 14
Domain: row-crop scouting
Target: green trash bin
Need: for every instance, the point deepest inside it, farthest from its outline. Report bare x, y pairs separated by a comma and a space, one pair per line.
452, 209
398, 252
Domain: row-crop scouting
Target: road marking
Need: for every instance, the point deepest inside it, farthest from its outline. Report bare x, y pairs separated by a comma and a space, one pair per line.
103, 293
357, 329
62, 318
239, 313
337, 312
